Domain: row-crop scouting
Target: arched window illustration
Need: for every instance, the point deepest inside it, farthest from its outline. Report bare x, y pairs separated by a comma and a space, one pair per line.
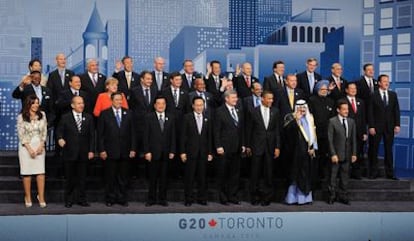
294, 34
302, 34
310, 34
324, 33
90, 51
317, 34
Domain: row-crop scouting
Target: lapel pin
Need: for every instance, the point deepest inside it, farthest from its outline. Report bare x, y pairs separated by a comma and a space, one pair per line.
166, 118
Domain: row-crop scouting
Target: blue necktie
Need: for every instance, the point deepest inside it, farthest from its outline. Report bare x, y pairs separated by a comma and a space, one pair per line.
118, 118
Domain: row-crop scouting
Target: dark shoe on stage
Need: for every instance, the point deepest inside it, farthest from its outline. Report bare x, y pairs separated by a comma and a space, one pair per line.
373, 177
235, 202
265, 203
225, 203
392, 177
84, 204
331, 201
109, 204
255, 202
202, 202
149, 204
163, 203
188, 203
124, 204
344, 201
68, 205
356, 177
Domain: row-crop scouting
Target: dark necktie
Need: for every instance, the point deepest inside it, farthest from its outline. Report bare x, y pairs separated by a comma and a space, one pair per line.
353, 105
161, 121
175, 97
76, 93
344, 125
147, 96
384, 98
118, 118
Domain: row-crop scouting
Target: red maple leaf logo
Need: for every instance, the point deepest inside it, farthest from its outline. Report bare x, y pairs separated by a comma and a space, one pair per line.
212, 223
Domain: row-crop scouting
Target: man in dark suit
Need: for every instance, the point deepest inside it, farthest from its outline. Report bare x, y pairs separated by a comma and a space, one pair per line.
308, 78
127, 78
264, 142
159, 76
357, 111
275, 80
59, 78
287, 97
116, 145
31, 86
254, 100
229, 141
383, 123
196, 149
76, 136
200, 90
342, 146
159, 146
367, 85
215, 81
64, 101
243, 82
337, 83
93, 83
188, 76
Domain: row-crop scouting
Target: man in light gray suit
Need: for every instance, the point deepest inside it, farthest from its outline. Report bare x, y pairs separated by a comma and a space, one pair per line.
342, 146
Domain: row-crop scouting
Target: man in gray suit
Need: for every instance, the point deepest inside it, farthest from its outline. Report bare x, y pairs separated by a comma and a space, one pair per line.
342, 146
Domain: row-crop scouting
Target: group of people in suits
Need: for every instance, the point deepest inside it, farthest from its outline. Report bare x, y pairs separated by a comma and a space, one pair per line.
298, 126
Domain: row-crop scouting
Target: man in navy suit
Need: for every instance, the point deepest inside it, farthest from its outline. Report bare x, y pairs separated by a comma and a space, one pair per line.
216, 82
276, 80
127, 78
59, 79
188, 76
337, 83
116, 146
64, 100
159, 147
308, 78
242, 83
200, 90
196, 149
92, 82
159, 76
76, 136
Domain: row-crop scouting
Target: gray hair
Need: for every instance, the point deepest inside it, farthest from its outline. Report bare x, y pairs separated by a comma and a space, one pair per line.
227, 93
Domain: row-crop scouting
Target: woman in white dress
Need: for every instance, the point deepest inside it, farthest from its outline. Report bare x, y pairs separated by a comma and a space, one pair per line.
32, 132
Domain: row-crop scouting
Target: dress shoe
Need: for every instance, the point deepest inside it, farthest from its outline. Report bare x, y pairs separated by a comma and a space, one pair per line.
124, 204
265, 203
187, 204
163, 203
109, 204
202, 202
235, 202
255, 202
68, 205
344, 201
392, 177
149, 204
331, 201
225, 203
84, 204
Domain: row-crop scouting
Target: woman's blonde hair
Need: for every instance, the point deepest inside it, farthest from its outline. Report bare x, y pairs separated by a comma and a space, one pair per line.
110, 81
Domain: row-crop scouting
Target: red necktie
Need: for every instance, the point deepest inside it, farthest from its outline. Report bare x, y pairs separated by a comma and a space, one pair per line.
353, 105
248, 81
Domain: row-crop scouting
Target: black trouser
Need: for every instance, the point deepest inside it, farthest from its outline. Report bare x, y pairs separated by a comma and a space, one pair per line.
340, 170
195, 168
228, 173
116, 178
75, 172
356, 167
157, 173
261, 179
374, 142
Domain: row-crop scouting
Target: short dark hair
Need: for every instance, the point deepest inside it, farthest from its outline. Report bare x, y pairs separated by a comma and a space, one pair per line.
341, 102
267, 92
125, 58
367, 65
35, 72
71, 78
31, 63
276, 63
187, 60
115, 94
381, 76
350, 83
253, 84
197, 98
160, 97
174, 74
214, 62
144, 72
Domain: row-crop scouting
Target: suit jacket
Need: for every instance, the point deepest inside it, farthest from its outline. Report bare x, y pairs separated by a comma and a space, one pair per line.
260, 139
226, 133
384, 118
359, 116
211, 87
123, 84
185, 84
139, 105
248, 107
270, 83
65, 99
339, 144
192, 143
92, 91
281, 100
363, 90
78, 143
322, 109
46, 102
183, 103
337, 93
211, 104
54, 82
303, 82
116, 141
239, 84
156, 141
165, 81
